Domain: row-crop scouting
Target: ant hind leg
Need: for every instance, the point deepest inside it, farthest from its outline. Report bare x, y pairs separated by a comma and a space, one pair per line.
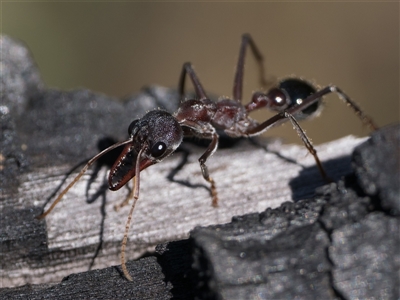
307, 143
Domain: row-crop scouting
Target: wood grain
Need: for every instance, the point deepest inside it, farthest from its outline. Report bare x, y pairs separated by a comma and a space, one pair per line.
249, 179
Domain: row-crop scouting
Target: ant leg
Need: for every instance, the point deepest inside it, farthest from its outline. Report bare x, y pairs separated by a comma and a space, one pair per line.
302, 134
202, 160
367, 120
188, 69
90, 162
238, 81
281, 117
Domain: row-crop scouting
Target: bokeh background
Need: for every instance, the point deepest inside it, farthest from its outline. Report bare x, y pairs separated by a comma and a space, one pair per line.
116, 48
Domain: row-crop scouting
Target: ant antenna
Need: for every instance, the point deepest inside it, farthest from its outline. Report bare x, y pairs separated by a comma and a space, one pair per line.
135, 194
90, 162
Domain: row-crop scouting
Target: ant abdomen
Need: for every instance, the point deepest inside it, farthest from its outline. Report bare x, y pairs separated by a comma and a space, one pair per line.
297, 90
288, 94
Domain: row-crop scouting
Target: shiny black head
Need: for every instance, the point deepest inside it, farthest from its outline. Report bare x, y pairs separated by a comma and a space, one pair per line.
157, 135
159, 131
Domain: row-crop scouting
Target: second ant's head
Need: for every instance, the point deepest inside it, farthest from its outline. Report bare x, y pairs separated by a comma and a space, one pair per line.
156, 135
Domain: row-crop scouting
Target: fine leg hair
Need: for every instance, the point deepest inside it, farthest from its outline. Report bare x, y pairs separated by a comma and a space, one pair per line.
238, 81
90, 162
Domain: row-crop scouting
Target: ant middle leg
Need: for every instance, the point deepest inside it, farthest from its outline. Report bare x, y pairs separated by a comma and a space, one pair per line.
188, 69
238, 81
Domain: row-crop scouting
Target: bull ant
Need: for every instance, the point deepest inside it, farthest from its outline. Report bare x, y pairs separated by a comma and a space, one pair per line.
159, 133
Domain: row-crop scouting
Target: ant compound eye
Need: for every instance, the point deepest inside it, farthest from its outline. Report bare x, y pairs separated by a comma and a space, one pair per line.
131, 126
158, 149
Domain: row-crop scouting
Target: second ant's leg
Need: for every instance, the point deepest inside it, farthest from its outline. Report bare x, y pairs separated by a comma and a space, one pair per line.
202, 160
188, 69
238, 81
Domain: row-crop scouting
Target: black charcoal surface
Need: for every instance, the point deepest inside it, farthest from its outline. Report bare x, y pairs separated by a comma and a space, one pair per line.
377, 165
101, 284
342, 244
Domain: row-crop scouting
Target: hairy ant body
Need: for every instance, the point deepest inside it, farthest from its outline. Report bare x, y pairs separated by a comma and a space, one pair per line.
159, 133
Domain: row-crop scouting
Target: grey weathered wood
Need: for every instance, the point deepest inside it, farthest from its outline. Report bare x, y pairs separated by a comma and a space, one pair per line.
249, 179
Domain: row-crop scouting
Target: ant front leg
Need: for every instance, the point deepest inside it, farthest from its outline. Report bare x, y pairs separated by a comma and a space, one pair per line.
202, 160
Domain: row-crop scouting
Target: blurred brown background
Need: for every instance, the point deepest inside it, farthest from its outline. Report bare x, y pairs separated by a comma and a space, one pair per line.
116, 48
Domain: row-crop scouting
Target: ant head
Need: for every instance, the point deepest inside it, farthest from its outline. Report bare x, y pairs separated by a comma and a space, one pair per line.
297, 91
159, 131
156, 136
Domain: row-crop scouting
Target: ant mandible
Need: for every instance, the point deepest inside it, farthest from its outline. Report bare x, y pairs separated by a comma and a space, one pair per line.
159, 133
